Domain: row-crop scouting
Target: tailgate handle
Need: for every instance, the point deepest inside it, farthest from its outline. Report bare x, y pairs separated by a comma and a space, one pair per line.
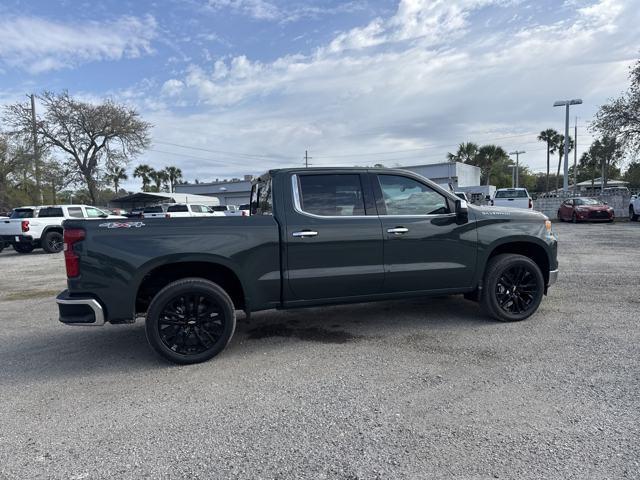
397, 230
305, 233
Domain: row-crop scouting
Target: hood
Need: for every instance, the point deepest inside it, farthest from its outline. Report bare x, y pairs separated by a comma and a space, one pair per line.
508, 213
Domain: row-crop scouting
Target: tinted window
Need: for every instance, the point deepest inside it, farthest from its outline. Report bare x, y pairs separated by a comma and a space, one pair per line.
179, 208
22, 213
261, 198
512, 194
587, 201
219, 208
49, 212
244, 206
331, 195
75, 212
156, 209
406, 196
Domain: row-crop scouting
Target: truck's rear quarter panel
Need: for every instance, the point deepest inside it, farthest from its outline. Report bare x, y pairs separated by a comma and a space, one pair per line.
114, 259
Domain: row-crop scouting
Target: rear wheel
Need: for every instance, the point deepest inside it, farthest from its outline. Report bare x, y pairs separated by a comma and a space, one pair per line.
513, 287
23, 247
632, 214
190, 321
52, 242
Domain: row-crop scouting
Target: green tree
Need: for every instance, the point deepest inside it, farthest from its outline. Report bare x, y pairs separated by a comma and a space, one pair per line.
550, 137
88, 135
144, 172
491, 159
115, 174
620, 118
161, 179
632, 175
174, 176
560, 150
467, 153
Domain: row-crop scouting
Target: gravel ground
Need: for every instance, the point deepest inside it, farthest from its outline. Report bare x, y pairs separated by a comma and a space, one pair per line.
406, 389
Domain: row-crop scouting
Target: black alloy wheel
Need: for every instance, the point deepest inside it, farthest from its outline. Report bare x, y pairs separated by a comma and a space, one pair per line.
53, 242
190, 321
23, 247
513, 287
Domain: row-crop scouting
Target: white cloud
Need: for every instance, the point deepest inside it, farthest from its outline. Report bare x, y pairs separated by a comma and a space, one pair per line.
172, 87
38, 45
270, 11
259, 9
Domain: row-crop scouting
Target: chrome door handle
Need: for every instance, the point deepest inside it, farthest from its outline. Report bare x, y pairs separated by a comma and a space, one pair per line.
305, 233
397, 230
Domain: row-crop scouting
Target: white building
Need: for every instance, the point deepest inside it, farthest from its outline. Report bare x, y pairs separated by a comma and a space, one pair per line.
454, 174
228, 193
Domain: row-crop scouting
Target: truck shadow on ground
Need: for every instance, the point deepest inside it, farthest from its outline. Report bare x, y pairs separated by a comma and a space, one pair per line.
77, 351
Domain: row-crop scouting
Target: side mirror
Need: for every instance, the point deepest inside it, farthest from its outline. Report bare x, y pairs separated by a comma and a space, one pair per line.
462, 209
104, 215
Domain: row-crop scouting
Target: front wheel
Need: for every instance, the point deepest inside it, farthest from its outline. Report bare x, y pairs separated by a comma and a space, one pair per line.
513, 287
190, 321
574, 218
23, 247
52, 242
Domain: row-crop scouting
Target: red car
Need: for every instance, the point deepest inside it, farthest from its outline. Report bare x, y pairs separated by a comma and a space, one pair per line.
585, 209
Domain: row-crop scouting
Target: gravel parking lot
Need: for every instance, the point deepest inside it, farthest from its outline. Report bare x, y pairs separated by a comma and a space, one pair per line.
425, 388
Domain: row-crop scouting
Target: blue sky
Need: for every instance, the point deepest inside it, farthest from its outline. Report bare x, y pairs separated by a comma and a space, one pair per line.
252, 84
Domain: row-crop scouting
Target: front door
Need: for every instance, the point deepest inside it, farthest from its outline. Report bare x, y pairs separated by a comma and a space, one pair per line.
426, 247
333, 237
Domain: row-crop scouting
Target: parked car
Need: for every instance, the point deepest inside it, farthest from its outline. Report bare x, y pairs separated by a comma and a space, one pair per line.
582, 209
41, 226
221, 210
314, 238
178, 210
512, 197
463, 196
3, 244
245, 209
634, 208
154, 211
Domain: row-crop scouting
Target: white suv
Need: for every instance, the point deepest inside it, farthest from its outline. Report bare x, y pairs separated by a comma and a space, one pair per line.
41, 226
634, 207
177, 210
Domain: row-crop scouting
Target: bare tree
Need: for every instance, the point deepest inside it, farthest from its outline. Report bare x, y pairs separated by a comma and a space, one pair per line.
89, 135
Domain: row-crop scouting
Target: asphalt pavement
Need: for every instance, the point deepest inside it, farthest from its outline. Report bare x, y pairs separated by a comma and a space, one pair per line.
424, 388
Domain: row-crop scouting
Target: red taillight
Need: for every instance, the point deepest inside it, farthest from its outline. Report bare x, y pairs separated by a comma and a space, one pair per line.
71, 260
167, 215
244, 214
24, 225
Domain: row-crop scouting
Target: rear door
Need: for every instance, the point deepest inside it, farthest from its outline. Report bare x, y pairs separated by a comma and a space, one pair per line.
333, 236
425, 245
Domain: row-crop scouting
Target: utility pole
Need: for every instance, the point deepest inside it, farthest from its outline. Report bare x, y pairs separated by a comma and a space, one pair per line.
306, 159
36, 157
575, 157
517, 153
566, 104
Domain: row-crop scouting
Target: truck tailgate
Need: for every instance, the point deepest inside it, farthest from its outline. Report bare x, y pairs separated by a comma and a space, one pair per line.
10, 227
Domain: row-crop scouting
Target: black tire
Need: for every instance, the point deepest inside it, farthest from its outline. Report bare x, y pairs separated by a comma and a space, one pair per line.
52, 242
23, 247
574, 218
560, 217
175, 329
632, 214
500, 300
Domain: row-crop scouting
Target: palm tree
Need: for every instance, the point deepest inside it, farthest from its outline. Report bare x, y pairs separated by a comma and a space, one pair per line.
160, 178
488, 155
560, 147
467, 153
550, 137
144, 172
174, 175
114, 175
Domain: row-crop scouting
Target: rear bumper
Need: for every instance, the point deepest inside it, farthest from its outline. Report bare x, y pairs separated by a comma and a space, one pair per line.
553, 277
16, 238
83, 311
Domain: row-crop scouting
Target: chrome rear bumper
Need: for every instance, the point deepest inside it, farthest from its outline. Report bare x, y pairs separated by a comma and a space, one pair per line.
91, 315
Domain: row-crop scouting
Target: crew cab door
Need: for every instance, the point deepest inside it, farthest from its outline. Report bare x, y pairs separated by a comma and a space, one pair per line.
333, 237
426, 246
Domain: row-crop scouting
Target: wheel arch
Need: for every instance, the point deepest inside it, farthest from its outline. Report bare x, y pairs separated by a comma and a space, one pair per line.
536, 251
158, 276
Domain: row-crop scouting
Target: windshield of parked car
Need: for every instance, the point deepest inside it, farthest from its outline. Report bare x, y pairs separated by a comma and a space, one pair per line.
22, 213
156, 209
587, 201
220, 208
512, 194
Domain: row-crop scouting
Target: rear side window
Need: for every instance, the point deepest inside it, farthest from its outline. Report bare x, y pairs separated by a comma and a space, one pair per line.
331, 195
75, 212
261, 198
219, 208
22, 213
50, 212
156, 209
512, 194
179, 208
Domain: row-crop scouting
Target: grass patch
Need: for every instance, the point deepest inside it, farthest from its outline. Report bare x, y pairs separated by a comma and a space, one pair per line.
30, 294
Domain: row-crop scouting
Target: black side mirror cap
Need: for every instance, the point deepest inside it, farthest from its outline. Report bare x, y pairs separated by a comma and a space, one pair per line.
462, 209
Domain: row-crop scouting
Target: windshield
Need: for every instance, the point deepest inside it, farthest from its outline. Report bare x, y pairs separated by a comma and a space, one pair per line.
587, 201
22, 213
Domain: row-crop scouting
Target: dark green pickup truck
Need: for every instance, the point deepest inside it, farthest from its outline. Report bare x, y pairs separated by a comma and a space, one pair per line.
315, 236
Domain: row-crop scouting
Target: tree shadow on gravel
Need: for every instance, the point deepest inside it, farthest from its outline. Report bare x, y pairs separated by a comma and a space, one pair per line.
85, 351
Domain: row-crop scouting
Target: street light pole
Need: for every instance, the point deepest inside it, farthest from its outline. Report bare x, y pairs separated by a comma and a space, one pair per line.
517, 153
566, 104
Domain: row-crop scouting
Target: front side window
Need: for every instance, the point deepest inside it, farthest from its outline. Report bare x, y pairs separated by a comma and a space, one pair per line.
50, 212
336, 195
75, 212
94, 212
406, 196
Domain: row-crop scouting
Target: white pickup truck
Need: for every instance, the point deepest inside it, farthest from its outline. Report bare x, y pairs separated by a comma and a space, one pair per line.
178, 210
634, 208
41, 226
512, 197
